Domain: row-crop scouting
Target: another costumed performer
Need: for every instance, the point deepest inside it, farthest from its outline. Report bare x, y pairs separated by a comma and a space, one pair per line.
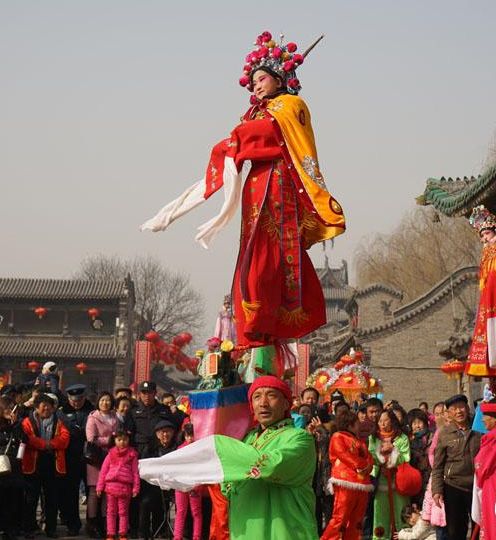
267, 478
286, 207
350, 479
485, 475
482, 355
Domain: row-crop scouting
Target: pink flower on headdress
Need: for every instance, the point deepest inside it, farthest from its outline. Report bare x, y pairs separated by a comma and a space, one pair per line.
288, 66
254, 57
276, 52
244, 80
293, 83
248, 58
263, 52
253, 100
291, 47
266, 36
247, 68
298, 59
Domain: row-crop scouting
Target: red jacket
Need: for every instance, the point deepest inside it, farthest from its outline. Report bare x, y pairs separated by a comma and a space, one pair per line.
351, 462
59, 442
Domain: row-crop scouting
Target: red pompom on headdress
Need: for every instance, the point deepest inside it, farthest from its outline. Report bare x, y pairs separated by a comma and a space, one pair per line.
277, 58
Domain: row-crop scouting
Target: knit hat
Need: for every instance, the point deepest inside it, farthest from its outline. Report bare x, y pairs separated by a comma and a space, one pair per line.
269, 381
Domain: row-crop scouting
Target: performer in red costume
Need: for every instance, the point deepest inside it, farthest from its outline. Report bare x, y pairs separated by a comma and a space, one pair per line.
350, 480
286, 207
482, 355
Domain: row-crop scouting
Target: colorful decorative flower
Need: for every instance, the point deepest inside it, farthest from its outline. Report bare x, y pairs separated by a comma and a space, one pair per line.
291, 47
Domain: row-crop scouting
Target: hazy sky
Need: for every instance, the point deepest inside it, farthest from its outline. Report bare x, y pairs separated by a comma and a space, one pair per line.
109, 109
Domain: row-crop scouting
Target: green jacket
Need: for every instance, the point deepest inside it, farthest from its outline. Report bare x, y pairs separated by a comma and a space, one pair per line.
276, 501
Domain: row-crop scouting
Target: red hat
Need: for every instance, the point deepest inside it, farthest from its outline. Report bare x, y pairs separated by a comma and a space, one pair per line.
488, 408
269, 381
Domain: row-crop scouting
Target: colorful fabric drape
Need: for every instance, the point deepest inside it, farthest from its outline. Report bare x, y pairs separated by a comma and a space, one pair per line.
224, 411
482, 356
485, 485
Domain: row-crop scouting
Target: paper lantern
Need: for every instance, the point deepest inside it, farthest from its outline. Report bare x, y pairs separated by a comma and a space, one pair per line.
40, 312
33, 366
93, 313
152, 336
81, 367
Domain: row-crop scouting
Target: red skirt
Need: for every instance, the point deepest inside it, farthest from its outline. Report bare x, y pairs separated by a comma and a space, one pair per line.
276, 292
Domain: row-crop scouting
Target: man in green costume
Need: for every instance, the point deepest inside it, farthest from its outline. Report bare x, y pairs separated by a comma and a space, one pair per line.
267, 478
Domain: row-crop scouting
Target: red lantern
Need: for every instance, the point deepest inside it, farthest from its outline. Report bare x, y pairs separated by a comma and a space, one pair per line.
152, 336
94, 313
33, 366
81, 367
40, 312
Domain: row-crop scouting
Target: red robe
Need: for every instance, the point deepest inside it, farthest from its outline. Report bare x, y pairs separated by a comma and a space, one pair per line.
482, 355
485, 478
276, 292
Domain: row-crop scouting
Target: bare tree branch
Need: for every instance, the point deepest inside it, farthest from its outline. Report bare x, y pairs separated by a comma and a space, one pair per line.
165, 300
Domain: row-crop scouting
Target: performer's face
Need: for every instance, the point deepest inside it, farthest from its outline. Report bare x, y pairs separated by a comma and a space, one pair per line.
264, 84
489, 422
487, 235
269, 405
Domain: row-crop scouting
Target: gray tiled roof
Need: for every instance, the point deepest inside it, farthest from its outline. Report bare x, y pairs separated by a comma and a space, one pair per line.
62, 348
61, 289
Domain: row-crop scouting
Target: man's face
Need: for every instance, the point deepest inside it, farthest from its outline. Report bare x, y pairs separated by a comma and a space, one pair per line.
487, 235
310, 398
269, 405
147, 398
373, 412
168, 401
44, 410
165, 435
458, 412
77, 402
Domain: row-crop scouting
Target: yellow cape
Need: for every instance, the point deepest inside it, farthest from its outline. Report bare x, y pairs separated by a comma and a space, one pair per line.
293, 117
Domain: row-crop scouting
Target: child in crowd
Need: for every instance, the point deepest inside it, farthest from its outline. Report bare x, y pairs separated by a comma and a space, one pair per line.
119, 479
191, 499
419, 528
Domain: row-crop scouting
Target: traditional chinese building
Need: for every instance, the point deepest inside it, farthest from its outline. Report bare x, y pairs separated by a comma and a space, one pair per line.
457, 197
404, 344
70, 322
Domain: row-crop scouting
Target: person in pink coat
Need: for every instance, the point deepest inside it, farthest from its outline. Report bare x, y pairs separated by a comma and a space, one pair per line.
100, 426
431, 512
190, 499
119, 480
485, 472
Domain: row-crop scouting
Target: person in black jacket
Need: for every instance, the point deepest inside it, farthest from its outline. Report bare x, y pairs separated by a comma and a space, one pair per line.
74, 414
141, 422
154, 503
11, 484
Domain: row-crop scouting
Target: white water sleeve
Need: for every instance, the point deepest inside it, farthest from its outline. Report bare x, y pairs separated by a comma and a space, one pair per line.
232, 193
190, 199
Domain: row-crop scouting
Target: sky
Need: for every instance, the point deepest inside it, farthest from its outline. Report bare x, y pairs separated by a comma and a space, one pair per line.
109, 109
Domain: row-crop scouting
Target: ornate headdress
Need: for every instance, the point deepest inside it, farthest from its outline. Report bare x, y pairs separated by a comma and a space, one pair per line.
482, 219
281, 60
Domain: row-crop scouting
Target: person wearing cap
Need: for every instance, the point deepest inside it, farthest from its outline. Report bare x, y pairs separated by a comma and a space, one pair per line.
154, 503
485, 473
142, 419
74, 413
48, 379
267, 477
453, 468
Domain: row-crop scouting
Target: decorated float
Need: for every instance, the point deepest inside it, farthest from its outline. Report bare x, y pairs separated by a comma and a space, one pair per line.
349, 375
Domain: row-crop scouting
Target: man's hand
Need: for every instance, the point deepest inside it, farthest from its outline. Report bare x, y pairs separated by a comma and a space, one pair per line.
438, 499
98, 493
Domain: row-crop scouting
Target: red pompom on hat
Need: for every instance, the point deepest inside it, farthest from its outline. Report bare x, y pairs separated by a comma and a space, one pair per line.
269, 381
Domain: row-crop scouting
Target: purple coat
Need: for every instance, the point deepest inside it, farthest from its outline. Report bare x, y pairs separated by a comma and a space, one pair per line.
99, 429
